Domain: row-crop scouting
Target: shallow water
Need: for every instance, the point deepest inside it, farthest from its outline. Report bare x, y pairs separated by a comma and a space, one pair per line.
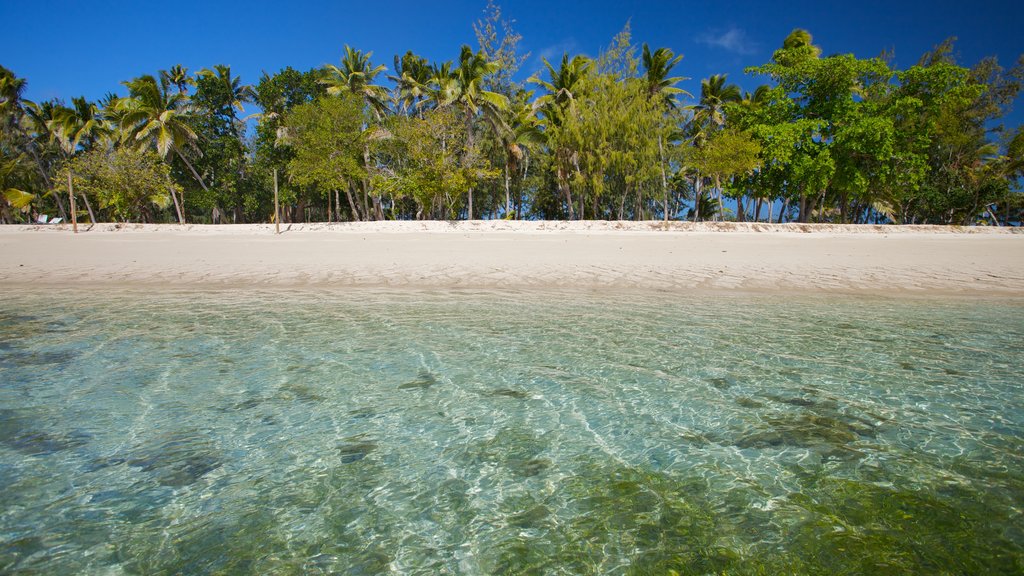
410, 432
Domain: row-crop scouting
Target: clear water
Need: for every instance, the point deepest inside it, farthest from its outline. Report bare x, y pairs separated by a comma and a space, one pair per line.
524, 433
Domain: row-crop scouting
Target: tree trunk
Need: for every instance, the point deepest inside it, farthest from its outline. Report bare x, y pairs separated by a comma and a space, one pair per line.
469, 211
352, 204
88, 207
508, 193
337, 205
664, 177
46, 180
71, 196
718, 190
198, 178
277, 210
696, 199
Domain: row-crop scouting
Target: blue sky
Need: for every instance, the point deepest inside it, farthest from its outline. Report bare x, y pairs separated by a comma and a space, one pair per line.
68, 49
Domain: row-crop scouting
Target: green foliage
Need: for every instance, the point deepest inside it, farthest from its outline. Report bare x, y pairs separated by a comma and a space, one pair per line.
427, 159
326, 138
130, 184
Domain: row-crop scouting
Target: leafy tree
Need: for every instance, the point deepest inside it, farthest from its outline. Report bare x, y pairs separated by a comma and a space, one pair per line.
427, 163
218, 99
129, 183
326, 137
152, 116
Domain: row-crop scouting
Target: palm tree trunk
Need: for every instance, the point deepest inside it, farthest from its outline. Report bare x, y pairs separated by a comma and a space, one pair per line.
508, 193
337, 205
352, 204
174, 198
718, 190
92, 216
46, 180
71, 196
664, 178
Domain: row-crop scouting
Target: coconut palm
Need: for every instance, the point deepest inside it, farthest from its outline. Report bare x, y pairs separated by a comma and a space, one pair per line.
657, 67
178, 77
463, 86
153, 116
660, 87
356, 75
559, 101
80, 126
523, 136
235, 93
709, 112
412, 77
562, 86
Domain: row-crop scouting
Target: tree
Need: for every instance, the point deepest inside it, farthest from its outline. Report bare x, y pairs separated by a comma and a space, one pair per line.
725, 154
411, 82
218, 99
555, 107
327, 139
464, 87
129, 183
153, 116
660, 87
355, 76
81, 126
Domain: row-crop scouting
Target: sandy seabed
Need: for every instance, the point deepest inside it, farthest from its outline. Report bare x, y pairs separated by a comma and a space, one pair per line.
973, 261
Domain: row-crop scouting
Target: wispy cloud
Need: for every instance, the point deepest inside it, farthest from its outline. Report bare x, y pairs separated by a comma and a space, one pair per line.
733, 40
552, 53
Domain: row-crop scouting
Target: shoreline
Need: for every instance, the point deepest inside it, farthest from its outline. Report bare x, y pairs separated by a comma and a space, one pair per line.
555, 255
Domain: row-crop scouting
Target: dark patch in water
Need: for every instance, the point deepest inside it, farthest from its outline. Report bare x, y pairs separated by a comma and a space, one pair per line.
17, 432
178, 461
907, 365
721, 383
749, 403
300, 392
792, 401
953, 372
530, 518
22, 359
247, 404
805, 431
355, 451
508, 393
423, 381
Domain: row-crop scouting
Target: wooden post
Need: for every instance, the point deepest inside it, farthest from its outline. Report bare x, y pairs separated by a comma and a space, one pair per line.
277, 211
71, 194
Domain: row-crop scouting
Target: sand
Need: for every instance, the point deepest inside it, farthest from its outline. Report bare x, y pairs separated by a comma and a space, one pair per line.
498, 254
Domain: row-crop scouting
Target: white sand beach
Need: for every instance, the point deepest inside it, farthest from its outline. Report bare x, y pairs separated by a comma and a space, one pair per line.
502, 254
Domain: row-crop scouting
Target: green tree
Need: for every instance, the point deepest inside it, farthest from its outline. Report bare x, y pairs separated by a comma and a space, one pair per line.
153, 116
129, 183
326, 137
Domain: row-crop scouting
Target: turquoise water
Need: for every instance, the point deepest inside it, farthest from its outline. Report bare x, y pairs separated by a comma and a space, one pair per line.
407, 432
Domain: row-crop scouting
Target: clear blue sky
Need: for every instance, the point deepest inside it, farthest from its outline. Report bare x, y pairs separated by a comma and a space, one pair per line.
68, 49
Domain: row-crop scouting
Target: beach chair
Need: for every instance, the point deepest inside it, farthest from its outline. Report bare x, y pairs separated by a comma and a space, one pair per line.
57, 220
43, 219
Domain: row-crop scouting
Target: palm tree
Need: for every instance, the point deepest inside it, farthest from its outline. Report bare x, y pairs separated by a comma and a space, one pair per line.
154, 116
411, 81
657, 67
463, 86
80, 126
523, 136
709, 112
36, 122
555, 105
179, 77
356, 75
234, 92
561, 89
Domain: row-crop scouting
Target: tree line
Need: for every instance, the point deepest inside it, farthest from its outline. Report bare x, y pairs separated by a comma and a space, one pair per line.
826, 139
